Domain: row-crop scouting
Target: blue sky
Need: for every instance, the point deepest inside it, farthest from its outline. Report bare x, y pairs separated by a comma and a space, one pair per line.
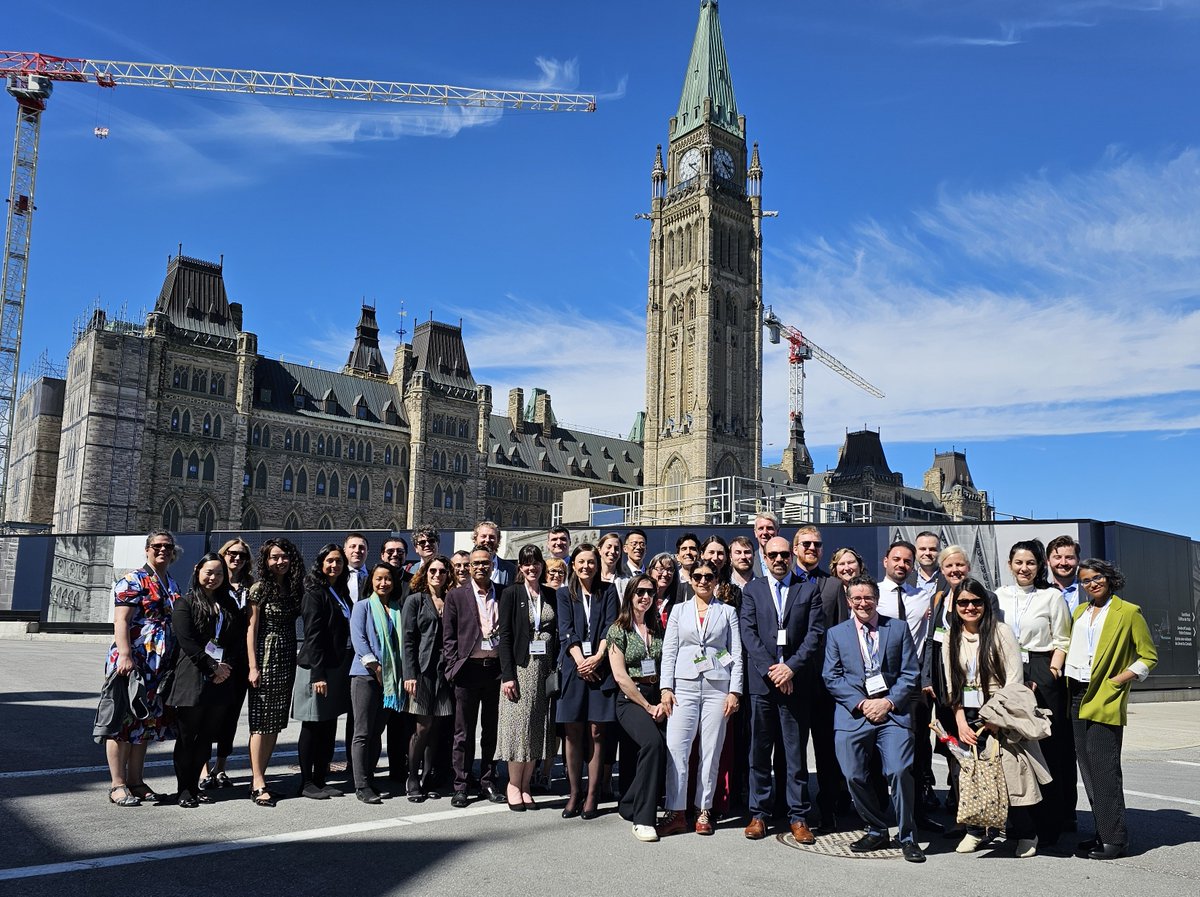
989, 210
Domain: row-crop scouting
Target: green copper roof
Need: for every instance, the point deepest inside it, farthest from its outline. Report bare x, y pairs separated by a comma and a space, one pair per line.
707, 78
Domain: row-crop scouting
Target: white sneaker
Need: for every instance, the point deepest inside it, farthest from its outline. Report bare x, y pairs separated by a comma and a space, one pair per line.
645, 833
1027, 847
969, 844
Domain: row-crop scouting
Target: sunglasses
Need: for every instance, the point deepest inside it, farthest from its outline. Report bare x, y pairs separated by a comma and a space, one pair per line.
424, 542
436, 571
811, 544
969, 602
778, 554
644, 593
162, 546
703, 577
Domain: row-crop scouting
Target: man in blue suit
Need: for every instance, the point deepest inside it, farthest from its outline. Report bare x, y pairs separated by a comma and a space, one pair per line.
871, 670
781, 626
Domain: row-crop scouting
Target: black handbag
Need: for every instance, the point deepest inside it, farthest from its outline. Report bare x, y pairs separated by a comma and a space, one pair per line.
554, 683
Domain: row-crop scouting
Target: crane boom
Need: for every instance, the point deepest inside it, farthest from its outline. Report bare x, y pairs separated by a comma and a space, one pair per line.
109, 73
31, 78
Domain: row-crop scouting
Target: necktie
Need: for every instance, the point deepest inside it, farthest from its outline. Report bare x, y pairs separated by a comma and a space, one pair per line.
900, 613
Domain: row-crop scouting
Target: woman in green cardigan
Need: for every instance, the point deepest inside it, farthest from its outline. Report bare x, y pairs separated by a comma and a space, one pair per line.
1110, 647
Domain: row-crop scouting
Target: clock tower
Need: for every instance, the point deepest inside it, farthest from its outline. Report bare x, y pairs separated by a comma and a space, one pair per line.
704, 304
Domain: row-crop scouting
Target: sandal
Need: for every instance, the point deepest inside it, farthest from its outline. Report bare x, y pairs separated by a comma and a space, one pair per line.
223, 781
142, 791
262, 797
129, 800
208, 782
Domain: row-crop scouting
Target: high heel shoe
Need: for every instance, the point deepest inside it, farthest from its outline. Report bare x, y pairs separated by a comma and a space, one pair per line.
569, 811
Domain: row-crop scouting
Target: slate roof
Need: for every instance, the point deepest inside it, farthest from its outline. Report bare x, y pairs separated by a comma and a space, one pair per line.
953, 466
602, 460
862, 449
707, 77
193, 297
282, 379
438, 351
365, 356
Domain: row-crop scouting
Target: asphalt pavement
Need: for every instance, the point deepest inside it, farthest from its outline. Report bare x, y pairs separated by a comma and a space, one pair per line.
61, 836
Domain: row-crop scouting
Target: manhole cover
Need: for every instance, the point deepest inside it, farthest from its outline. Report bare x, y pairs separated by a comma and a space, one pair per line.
837, 844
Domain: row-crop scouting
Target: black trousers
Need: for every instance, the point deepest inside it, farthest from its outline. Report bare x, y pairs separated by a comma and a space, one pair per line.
1098, 747
831, 784
228, 728
315, 747
400, 728
199, 727
1059, 796
647, 760
370, 717
922, 715
477, 700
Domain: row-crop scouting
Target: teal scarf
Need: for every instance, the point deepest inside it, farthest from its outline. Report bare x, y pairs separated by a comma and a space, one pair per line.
387, 627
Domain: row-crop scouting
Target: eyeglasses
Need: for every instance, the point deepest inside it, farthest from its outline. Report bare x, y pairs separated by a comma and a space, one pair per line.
862, 599
1092, 581
811, 544
644, 593
481, 563
969, 602
162, 546
555, 574
436, 571
703, 577
778, 554
424, 542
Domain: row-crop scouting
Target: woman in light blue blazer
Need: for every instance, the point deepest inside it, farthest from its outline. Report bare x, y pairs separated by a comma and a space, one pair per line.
701, 688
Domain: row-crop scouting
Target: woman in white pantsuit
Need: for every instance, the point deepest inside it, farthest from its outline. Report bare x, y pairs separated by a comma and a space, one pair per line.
701, 687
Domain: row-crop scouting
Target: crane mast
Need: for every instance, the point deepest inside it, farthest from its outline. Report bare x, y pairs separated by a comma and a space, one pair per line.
800, 350
31, 78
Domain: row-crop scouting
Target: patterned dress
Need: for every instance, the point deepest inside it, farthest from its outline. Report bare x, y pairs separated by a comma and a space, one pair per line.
151, 646
275, 653
525, 729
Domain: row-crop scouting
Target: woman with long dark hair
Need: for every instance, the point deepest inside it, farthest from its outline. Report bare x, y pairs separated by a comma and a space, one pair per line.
274, 603
430, 698
375, 673
635, 654
236, 554
322, 690
1110, 648
981, 657
667, 586
1041, 622
143, 642
587, 606
528, 624
211, 632
715, 551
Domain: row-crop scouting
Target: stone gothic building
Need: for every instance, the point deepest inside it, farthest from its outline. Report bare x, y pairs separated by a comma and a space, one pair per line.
178, 421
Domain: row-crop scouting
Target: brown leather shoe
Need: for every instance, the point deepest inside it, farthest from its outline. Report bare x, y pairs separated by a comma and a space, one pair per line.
703, 823
674, 822
802, 833
756, 830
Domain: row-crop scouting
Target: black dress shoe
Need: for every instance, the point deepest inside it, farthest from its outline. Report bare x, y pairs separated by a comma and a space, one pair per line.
368, 796
589, 814
460, 800
517, 808
912, 852
187, 800
1107, 852
1083, 848
493, 796
870, 842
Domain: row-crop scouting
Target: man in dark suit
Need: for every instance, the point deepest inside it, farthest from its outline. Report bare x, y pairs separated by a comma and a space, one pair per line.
470, 652
634, 560
781, 625
872, 672
487, 535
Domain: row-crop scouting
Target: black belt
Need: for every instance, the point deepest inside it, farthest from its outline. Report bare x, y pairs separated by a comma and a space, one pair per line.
486, 661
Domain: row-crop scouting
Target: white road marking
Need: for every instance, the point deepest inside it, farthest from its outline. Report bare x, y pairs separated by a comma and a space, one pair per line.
1185, 762
78, 770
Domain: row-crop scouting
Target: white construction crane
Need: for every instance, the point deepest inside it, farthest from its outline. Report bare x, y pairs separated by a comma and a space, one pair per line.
802, 349
31, 78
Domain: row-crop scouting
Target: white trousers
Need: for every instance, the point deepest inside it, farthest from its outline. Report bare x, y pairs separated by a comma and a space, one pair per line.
699, 708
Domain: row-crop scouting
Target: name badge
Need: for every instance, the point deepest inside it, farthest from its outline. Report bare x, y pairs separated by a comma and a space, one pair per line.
214, 651
587, 649
489, 644
972, 697
648, 667
724, 658
939, 635
781, 637
1024, 657
703, 663
537, 648
876, 685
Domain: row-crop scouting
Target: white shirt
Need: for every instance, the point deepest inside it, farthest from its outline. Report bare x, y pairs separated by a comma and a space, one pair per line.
1084, 642
916, 610
352, 582
1038, 617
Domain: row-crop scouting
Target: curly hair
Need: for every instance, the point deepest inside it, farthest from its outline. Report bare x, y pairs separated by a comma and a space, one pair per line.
293, 581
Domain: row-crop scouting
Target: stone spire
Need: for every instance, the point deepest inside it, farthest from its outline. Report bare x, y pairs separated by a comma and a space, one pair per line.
707, 87
365, 357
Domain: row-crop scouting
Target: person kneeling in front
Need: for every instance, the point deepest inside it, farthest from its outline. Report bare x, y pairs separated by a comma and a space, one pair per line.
871, 671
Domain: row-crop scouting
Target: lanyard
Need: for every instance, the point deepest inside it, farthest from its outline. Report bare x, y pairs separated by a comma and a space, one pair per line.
870, 654
1020, 612
587, 614
780, 598
341, 603
220, 624
1095, 626
702, 625
537, 610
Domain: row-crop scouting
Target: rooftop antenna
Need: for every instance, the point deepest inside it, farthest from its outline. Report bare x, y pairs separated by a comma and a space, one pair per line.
402, 315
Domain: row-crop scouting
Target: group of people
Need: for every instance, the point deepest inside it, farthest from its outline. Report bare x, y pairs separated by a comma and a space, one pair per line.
704, 671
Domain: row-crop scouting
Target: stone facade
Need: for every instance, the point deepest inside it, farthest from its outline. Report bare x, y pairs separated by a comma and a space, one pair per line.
36, 433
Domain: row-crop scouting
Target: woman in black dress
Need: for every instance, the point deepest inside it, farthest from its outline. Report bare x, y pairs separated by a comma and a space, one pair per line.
587, 606
322, 690
211, 633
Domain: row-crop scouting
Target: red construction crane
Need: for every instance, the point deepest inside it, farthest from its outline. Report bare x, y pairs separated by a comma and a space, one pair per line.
31, 78
802, 349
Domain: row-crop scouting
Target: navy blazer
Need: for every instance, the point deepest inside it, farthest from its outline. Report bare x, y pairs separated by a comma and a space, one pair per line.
516, 630
505, 574
845, 672
572, 625
802, 618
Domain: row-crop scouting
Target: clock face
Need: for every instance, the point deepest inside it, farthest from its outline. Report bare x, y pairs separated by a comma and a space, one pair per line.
723, 163
689, 165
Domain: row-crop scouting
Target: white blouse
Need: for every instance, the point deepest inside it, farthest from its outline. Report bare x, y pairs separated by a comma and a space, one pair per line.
1038, 617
